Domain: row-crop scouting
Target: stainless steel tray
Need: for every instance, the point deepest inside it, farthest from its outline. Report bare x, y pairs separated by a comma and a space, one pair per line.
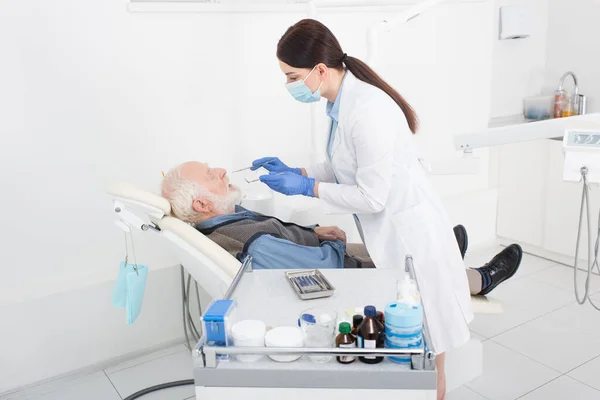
309, 284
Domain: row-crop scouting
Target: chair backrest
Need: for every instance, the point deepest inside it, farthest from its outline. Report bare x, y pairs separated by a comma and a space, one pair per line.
210, 265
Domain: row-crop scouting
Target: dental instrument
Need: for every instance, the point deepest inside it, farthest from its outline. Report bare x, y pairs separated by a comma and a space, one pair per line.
258, 179
250, 167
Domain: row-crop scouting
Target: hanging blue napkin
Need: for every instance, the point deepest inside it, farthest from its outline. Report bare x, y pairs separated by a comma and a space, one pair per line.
129, 289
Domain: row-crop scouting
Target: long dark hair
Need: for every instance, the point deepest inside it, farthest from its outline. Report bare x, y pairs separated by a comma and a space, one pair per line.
309, 42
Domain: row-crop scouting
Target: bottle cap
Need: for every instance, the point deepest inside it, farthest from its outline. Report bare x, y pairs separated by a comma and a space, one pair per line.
357, 319
345, 328
370, 311
309, 318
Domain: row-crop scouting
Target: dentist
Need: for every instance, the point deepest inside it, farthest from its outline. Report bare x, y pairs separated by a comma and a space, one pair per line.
374, 171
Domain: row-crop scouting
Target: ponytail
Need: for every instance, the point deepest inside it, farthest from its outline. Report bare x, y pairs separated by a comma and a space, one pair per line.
309, 42
363, 72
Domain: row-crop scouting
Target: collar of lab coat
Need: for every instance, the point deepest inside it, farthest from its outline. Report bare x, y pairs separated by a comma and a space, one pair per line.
333, 109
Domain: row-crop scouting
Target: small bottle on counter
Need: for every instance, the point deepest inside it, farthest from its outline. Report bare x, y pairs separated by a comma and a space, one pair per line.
345, 340
370, 335
356, 321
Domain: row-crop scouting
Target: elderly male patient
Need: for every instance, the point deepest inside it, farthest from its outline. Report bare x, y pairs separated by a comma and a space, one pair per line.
202, 196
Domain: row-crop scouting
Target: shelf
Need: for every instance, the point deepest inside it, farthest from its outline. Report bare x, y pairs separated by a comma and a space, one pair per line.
515, 129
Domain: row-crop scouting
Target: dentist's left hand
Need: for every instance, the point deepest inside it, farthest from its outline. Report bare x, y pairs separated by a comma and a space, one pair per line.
290, 183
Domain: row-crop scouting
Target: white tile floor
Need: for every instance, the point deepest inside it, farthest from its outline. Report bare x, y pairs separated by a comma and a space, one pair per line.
543, 347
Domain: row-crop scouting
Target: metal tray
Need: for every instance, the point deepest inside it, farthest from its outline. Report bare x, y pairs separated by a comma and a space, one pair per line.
310, 284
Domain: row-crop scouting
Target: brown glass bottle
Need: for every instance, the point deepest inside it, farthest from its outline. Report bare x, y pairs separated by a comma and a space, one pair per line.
369, 335
345, 340
356, 321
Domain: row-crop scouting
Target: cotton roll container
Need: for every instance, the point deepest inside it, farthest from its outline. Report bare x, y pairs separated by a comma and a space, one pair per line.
248, 333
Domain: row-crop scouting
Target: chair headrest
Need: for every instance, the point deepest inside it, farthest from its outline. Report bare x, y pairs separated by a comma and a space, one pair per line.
130, 192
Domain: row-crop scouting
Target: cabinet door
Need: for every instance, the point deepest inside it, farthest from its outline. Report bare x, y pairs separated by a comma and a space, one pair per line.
563, 202
521, 184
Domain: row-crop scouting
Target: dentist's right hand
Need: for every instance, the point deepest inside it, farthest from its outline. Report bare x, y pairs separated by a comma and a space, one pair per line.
274, 164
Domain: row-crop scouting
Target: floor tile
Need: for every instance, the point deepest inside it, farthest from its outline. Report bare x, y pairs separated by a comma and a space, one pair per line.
531, 265
522, 300
34, 392
174, 367
91, 387
561, 277
562, 340
146, 358
464, 393
588, 373
475, 335
508, 375
561, 389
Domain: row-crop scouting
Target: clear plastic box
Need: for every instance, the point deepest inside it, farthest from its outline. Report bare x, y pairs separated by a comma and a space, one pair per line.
536, 108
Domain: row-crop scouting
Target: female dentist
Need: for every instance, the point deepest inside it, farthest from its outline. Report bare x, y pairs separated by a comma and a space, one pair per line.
374, 171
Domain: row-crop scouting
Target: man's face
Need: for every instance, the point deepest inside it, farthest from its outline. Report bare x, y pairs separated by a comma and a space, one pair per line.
215, 180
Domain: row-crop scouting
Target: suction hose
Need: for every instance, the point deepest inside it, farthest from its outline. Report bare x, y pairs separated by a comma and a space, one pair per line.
591, 264
160, 387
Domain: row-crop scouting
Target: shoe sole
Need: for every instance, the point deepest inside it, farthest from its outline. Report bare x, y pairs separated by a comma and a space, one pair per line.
466, 243
518, 263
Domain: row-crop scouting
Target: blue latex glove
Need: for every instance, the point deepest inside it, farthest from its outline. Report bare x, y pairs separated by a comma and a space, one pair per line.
273, 164
290, 183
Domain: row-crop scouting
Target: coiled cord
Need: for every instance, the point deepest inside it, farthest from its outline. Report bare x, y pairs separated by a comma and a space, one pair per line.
591, 264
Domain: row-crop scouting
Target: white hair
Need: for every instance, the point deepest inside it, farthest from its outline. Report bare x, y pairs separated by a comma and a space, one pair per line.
182, 192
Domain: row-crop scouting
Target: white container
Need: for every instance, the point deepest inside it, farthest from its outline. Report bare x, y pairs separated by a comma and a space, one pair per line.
248, 333
285, 336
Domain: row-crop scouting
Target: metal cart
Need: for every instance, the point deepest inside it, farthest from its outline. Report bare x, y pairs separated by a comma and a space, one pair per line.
266, 295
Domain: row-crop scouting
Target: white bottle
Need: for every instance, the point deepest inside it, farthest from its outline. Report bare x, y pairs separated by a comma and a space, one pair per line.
407, 292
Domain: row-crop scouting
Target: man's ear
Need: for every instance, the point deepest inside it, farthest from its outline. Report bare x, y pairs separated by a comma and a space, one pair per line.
202, 206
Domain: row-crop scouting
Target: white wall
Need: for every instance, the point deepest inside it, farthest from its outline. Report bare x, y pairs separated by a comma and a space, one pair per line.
519, 65
536, 207
91, 93
573, 46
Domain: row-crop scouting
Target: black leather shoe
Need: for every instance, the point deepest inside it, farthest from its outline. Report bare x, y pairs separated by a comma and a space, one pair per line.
462, 239
503, 266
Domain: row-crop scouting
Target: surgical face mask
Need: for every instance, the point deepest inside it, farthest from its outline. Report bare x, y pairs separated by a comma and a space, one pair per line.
301, 92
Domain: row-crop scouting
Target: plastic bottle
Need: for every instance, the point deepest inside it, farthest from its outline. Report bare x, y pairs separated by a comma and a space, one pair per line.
345, 340
560, 103
369, 335
407, 292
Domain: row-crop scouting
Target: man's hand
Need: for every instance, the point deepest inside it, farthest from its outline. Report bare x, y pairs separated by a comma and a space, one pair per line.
331, 233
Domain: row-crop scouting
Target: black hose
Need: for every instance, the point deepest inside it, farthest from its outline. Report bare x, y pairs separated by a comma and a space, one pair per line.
160, 387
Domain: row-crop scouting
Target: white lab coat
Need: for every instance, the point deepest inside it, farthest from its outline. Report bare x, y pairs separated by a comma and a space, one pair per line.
382, 180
